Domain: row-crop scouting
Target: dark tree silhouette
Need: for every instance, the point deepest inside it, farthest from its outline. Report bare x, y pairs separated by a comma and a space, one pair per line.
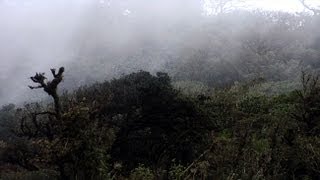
50, 87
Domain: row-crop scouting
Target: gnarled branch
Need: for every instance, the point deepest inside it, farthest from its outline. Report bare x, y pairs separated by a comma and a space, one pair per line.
314, 10
50, 87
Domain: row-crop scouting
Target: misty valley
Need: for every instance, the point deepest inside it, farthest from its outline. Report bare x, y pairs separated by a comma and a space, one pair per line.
159, 90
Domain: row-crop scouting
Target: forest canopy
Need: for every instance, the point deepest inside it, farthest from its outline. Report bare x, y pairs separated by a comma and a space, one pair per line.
220, 92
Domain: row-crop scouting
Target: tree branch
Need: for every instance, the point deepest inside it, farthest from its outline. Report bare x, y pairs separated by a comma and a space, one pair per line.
314, 10
50, 87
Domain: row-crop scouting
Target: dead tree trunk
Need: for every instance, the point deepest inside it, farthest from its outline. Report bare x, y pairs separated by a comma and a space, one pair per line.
50, 87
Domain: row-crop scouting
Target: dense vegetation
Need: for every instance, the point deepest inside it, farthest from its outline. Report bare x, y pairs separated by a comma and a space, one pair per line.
141, 127
235, 98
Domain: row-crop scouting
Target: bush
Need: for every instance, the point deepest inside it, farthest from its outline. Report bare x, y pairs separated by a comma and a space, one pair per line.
141, 173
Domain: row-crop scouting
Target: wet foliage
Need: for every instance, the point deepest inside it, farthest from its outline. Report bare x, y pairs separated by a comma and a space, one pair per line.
140, 127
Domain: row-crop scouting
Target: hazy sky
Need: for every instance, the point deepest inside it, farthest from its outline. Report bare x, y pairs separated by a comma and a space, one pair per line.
273, 5
38, 34
284, 5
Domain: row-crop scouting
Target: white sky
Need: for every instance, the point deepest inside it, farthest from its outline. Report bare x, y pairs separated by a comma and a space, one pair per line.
285, 5
273, 5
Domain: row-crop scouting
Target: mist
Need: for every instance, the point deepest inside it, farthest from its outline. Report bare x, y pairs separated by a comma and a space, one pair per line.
101, 40
35, 35
150, 89
38, 35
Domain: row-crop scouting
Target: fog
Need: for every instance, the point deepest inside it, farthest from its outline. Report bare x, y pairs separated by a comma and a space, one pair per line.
37, 35
99, 40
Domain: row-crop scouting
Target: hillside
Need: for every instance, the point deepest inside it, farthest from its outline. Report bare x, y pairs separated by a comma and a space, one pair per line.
140, 127
159, 90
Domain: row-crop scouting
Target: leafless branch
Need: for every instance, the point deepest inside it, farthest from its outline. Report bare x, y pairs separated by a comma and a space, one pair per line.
314, 10
50, 87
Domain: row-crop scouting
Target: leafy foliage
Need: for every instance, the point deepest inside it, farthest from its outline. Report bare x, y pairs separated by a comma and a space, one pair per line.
109, 130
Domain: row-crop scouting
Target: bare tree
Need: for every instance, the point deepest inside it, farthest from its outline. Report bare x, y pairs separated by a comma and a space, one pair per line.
50, 87
223, 6
315, 11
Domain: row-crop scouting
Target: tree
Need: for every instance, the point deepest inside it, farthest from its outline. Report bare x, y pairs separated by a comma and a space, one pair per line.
221, 6
305, 4
156, 123
50, 87
72, 142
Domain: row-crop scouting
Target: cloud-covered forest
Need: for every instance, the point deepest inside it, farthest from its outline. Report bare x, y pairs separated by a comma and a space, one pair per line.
215, 89
99, 41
